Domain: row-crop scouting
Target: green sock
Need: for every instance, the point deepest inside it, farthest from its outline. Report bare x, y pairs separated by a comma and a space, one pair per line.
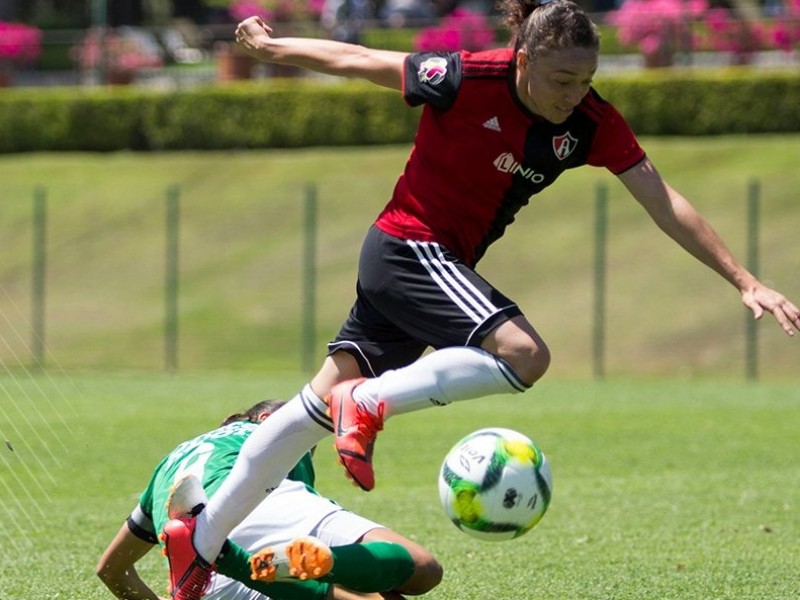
367, 567
234, 562
371, 566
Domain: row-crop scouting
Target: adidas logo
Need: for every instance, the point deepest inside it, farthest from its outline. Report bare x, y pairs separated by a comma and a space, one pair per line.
492, 124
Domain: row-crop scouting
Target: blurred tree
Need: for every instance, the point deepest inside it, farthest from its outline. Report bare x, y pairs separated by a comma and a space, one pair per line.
125, 12
54, 14
194, 10
42, 12
6, 10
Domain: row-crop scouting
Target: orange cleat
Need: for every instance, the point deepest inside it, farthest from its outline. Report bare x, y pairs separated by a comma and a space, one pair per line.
302, 558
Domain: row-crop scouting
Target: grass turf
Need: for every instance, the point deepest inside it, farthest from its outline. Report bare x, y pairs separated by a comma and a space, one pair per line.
241, 257
663, 488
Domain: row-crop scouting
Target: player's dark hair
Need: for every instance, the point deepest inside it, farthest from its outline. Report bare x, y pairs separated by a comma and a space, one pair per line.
544, 25
254, 413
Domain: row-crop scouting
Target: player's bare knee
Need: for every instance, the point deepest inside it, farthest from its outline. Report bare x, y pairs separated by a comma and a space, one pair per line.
433, 573
428, 573
521, 347
538, 365
530, 362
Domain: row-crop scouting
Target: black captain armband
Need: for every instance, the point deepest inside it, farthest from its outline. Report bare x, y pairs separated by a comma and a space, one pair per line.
141, 526
142, 534
432, 78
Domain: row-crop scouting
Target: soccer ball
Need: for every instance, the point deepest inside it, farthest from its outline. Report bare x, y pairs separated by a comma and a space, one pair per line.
495, 484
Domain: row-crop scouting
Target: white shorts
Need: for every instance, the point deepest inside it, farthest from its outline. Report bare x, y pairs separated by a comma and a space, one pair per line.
288, 512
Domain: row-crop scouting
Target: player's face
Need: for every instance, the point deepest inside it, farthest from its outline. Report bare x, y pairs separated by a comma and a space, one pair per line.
554, 84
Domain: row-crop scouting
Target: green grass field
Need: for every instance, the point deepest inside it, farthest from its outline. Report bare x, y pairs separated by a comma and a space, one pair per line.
241, 257
666, 489
674, 479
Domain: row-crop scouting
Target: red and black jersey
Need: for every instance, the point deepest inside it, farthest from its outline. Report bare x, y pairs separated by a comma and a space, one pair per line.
480, 154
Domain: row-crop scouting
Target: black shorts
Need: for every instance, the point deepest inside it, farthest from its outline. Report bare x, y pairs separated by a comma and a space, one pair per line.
412, 295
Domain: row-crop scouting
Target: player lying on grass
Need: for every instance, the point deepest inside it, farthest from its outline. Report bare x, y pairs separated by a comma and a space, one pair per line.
345, 557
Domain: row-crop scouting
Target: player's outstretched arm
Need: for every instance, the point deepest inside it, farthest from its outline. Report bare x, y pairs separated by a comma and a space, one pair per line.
330, 57
679, 219
116, 566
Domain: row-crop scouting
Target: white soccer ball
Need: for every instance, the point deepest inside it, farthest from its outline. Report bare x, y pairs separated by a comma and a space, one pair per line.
495, 484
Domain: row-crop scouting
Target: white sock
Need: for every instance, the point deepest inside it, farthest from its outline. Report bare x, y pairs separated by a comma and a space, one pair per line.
439, 378
267, 456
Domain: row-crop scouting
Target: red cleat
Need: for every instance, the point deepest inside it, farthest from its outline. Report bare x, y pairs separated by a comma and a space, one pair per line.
189, 573
355, 429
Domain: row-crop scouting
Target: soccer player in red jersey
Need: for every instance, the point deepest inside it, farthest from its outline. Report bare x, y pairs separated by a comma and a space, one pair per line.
497, 127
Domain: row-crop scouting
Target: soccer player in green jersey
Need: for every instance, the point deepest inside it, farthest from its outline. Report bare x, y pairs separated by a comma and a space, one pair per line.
346, 556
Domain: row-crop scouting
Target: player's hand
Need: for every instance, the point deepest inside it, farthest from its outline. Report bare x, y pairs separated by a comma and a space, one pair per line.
251, 35
762, 299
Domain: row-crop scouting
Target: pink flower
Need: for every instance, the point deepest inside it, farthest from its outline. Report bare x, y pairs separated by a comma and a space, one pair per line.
655, 25
462, 29
786, 33
316, 7
19, 43
276, 10
249, 8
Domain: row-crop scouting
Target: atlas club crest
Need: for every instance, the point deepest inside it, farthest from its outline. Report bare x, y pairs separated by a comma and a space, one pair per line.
563, 145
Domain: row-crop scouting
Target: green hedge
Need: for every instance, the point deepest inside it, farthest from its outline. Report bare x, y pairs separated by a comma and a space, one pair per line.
70, 119
281, 113
278, 113
713, 102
